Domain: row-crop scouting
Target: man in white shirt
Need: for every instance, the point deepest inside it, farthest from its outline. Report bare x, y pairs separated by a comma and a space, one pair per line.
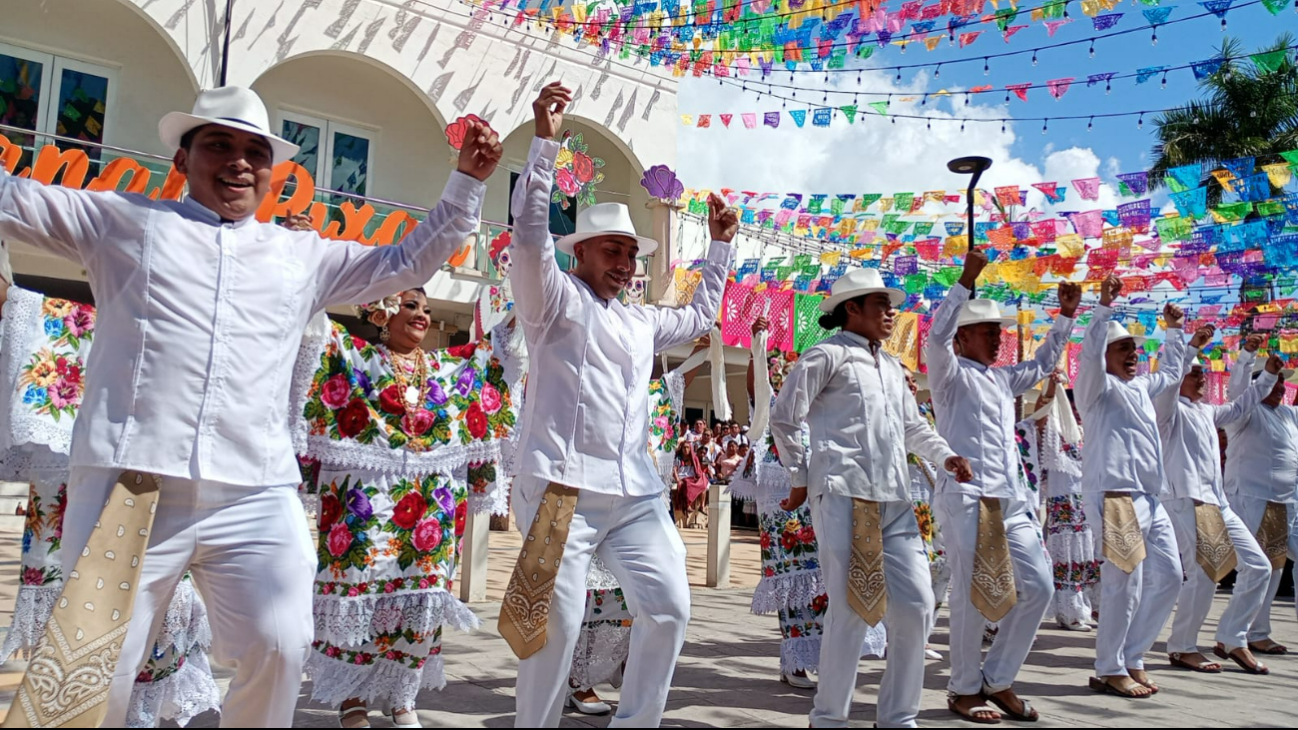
1122, 468
584, 427
201, 308
1188, 427
863, 421
976, 403
1262, 476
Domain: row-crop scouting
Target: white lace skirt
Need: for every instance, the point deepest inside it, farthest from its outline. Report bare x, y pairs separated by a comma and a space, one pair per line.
605, 639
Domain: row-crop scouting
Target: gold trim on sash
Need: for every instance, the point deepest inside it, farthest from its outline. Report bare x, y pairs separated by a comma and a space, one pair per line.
867, 592
1124, 542
1273, 534
991, 587
1214, 551
525, 612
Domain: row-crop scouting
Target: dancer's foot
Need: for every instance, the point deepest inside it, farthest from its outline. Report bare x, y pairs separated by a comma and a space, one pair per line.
797, 680
931, 653
972, 708
1194, 661
353, 714
1012, 706
1121, 685
587, 702
1243, 658
1074, 625
1141, 677
405, 717
1266, 646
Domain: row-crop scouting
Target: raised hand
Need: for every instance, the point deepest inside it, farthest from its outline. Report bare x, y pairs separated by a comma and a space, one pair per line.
481, 151
761, 324
1253, 343
1202, 336
299, 222
959, 466
1110, 290
723, 222
974, 263
1070, 295
1274, 364
549, 107
1174, 316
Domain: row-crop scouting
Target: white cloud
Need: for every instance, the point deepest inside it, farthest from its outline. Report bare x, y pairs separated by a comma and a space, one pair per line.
873, 155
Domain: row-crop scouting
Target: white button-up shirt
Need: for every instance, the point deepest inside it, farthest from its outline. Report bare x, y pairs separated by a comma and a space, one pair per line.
200, 320
975, 403
585, 417
863, 421
1261, 447
1123, 452
1189, 433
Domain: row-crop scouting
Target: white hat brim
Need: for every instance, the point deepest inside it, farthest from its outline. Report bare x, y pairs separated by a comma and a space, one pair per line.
1140, 340
897, 296
175, 125
1002, 321
570, 241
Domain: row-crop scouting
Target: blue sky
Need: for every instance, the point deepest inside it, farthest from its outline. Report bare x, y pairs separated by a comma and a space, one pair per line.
878, 156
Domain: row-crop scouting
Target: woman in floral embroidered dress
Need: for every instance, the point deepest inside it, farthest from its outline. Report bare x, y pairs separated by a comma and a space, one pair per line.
45, 344
791, 585
922, 484
390, 426
1051, 444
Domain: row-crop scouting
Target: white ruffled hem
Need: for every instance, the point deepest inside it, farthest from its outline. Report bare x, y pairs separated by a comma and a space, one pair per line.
179, 697
23, 335
800, 654
384, 685
599, 655
344, 621
1074, 607
32, 611
494, 501
787, 591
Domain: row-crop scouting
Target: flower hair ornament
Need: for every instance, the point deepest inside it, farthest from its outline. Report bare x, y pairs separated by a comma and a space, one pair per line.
378, 313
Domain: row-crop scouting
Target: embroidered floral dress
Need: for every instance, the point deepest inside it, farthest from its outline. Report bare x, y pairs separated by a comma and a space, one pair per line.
1057, 467
791, 585
923, 476
43, 350
391, 511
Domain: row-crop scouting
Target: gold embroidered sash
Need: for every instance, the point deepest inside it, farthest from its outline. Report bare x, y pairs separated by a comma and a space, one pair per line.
991, 587
1214, 551
867, 593
525, 612
1273, 534
1124, 543
67, 679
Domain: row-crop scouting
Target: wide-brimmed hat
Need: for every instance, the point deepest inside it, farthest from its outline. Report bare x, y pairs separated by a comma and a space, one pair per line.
605, 219
982, 311
1118, 332
228, 106
1286, 374
857, 283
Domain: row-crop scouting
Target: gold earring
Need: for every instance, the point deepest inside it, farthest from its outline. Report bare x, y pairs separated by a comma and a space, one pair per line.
383, 333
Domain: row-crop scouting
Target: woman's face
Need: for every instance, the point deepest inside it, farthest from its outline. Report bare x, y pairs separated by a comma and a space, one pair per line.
406, 328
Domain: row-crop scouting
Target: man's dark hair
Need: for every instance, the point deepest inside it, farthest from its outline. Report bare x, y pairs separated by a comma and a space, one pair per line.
187, 140
838, 317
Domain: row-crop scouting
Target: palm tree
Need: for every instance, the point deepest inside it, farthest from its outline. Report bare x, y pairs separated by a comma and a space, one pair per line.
1245, 112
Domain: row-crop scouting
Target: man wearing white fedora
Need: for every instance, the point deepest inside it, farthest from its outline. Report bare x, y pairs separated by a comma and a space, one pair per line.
998, 571
1122, 477
585, 484
201, 309
863, 421
1262, 480
1212, 537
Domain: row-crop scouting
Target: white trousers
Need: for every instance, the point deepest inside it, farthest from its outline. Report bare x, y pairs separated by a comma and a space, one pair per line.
1251, 510
909, 617
1252, 576
1135, 606
250, 554
636, 540
1033, 581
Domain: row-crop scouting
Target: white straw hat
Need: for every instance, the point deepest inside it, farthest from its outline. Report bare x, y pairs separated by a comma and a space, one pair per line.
981, 311
228, 106
1118, 332
856, 283
605, 219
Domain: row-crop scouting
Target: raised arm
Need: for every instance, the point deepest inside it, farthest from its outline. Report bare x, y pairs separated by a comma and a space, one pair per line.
1165, 403
1092, 372
353, 273
1171, 360
943, 368
1242, 373
60, 220
541, 289
1025, 375
1244, 405
674, 326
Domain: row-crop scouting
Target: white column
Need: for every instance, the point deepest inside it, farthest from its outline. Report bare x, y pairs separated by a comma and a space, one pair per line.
660, 271
718, 537
473, 558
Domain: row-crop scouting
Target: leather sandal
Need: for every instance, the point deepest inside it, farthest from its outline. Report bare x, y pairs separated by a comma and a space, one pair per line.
1272, 648
1177, 659
1256, 668
1101, 684
1029, 714
972, 713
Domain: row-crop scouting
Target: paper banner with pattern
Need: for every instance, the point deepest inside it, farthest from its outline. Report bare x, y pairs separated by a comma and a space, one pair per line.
742, 305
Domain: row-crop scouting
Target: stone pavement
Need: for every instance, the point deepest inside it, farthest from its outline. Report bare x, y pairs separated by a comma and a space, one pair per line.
728, 672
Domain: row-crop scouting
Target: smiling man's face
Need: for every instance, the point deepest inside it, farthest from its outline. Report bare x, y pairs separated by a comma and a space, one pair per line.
228, 170
606, 264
